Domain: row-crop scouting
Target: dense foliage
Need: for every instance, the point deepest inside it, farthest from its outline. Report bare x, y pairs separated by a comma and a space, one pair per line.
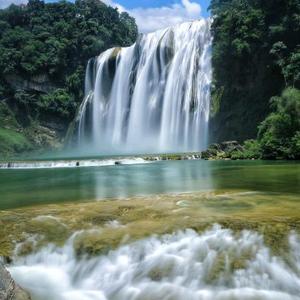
256, 55
44, 48
279, 133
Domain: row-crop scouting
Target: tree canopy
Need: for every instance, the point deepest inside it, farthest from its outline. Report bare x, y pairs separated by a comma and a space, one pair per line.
57, 39
256, 54
256, 57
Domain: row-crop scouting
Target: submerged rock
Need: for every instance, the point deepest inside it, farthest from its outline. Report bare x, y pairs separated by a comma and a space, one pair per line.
9, 290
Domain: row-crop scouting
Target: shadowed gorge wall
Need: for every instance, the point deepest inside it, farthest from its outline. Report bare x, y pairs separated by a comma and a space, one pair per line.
255, 56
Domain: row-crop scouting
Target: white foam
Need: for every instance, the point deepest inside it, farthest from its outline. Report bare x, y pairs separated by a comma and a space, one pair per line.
71, 163
177, 266
158, 97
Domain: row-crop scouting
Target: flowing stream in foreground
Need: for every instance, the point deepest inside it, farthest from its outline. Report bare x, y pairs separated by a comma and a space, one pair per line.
215, 265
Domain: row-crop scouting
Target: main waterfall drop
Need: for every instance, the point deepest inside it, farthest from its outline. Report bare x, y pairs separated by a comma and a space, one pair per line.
151, 97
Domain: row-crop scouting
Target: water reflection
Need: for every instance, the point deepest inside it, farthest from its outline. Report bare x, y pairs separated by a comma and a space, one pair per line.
27, 187
156, 178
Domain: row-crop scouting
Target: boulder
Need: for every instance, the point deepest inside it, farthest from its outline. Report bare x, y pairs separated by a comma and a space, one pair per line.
231, 146
215, 146
44, 137
9, 290
222, 151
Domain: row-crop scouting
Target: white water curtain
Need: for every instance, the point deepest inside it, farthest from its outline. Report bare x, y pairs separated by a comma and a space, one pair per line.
151, 97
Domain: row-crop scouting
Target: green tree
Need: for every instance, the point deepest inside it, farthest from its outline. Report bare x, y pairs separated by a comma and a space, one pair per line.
255, 56
49, 44
279, 132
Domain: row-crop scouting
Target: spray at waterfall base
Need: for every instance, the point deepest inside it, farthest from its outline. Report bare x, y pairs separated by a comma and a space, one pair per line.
151, 97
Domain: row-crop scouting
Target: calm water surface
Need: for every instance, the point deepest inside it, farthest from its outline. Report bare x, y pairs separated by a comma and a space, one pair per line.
40, 186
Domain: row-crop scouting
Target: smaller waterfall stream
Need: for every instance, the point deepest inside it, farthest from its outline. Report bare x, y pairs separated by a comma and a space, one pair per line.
151, 97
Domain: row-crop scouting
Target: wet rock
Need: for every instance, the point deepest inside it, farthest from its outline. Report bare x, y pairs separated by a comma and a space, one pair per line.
231, 146
44, 137
209, 153
222, 151
215, 146
9, 290
227, 144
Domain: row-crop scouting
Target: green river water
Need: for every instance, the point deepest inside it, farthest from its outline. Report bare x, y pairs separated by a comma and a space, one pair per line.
193, 229
24, 187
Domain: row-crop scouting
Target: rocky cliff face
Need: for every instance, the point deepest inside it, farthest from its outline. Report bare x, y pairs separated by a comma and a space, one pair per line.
25, 125
9, 290
39, 83
20, 133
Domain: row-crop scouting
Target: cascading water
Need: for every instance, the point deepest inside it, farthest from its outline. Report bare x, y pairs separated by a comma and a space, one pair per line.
216, 265
152, 96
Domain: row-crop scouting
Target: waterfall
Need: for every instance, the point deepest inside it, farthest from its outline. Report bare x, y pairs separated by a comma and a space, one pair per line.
153, 96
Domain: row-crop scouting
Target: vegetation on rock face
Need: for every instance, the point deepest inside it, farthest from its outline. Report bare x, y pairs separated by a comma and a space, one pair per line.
44, 49
256, 55
11, 137
11, 141
279, 133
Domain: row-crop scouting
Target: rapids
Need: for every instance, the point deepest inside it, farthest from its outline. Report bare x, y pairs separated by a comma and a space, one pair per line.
57, 164
214, 265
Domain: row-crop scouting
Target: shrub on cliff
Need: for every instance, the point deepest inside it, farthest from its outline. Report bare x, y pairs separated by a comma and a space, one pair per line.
279, 133
251, 149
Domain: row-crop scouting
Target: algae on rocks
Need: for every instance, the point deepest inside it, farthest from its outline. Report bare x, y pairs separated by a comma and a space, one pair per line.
105, 225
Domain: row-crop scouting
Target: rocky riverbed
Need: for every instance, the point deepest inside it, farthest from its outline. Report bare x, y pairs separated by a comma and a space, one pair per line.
108, 224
